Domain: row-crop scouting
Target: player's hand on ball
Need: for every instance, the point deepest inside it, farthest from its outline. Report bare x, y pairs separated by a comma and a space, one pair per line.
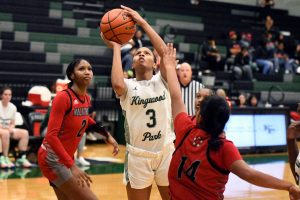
135, 15
109, 43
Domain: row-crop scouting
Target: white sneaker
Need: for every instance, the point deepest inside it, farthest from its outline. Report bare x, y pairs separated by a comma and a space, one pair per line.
91, 136
23, 162
3, 163
9, 163
82, 162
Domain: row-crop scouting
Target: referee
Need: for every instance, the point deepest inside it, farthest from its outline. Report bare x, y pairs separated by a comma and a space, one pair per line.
189, 87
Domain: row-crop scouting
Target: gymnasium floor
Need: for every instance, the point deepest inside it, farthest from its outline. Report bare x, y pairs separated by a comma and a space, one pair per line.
106, 173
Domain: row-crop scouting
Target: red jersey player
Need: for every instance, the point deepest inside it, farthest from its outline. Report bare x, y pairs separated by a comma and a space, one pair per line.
69, 118
203, 157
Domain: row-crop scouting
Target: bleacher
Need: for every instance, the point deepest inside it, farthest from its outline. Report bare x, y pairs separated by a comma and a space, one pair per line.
38, 38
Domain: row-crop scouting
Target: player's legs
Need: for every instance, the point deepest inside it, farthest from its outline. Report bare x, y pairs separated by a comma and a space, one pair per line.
72, 190
164, 192
62, 178
137, 194
60, 195
4, 134
161, 176
23, 137
138, 173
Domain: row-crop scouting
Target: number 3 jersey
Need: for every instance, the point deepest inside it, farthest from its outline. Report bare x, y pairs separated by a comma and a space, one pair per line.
147, 110
68, 120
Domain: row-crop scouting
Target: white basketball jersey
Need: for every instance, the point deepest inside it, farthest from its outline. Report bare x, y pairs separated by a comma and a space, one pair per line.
147, 110
7, 114
297, 168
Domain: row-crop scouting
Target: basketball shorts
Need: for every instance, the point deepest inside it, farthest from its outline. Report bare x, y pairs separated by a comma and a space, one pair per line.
143, 167
56, 172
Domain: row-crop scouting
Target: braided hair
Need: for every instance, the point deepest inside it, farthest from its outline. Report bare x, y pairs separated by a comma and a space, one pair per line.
214, 116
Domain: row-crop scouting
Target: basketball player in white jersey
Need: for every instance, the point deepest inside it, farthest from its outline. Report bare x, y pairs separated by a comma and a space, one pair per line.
293, 133
146, 105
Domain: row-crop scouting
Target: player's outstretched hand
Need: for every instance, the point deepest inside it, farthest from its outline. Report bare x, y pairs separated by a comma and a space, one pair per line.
294, 192
82, 178
169, 56
113, 142
135, 15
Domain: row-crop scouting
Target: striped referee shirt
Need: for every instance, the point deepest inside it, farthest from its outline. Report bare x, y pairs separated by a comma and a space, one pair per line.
188, 94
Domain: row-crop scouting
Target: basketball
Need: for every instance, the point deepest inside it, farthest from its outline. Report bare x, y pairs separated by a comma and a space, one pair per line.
117, 26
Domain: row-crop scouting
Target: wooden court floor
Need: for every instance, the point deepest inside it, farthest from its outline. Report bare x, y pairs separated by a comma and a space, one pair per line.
110, 187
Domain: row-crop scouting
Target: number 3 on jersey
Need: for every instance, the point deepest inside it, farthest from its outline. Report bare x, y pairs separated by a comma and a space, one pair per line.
152, 118
83, 123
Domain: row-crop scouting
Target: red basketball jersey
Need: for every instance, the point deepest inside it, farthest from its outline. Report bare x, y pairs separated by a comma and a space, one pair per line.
195, 171
68, 120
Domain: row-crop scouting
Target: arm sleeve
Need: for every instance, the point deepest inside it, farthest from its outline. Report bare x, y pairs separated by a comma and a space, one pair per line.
96, 127
60, 105
182, 124
230, 154
91, 121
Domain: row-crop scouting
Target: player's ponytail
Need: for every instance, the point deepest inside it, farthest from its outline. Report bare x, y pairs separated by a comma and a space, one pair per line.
214, 115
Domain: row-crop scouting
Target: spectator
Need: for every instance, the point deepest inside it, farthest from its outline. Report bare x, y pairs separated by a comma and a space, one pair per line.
242, 65
242, 100
233, 48
137, 39
126, 55
267, 5
246, 40
211, 54
189, 87
262, 58
271, 28
296, 64
221, 92
254, 102
8, 130
282, 60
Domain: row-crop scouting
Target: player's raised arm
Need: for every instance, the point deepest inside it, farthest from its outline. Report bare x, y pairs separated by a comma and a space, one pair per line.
117, 77
168, 65
155, 39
